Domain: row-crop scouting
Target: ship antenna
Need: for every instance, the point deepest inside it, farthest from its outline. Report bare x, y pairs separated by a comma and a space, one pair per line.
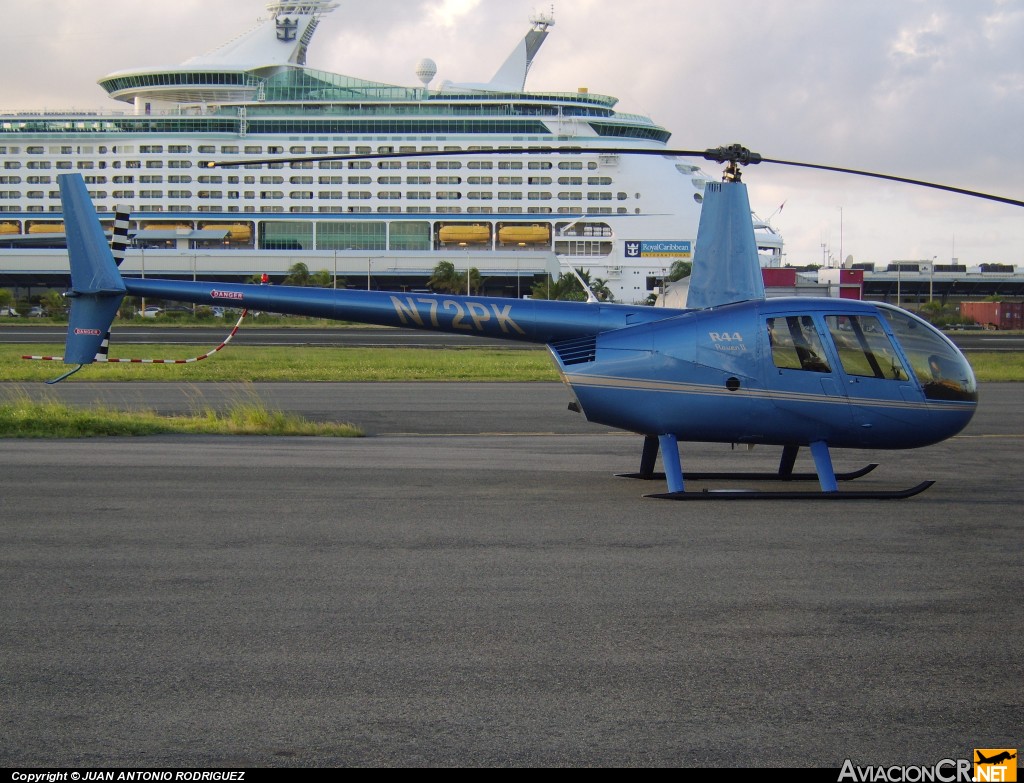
542, 21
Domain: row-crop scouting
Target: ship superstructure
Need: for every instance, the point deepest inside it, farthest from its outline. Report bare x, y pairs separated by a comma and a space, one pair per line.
625, 218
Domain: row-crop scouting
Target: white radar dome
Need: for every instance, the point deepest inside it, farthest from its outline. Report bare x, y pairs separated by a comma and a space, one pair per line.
426, 70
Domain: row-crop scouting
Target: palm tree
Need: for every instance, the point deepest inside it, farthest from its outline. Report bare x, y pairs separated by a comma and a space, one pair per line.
475, 280
298, 274
601, 290
321, 279
567, 288
447, 279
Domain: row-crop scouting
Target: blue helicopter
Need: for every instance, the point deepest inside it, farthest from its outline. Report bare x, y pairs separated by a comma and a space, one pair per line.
732, 367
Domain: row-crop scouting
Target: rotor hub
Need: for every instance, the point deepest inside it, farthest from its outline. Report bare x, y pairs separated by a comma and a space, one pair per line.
735, 155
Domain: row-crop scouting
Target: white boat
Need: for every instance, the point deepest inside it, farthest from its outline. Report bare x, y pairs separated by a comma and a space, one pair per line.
381, 223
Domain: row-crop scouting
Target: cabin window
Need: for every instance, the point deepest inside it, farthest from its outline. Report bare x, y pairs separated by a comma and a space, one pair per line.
796, 344
864, 348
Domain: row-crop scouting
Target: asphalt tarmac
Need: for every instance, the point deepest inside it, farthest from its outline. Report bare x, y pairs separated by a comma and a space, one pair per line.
470, 586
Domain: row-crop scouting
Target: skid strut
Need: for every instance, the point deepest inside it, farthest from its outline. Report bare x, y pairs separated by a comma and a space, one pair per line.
825, 475
785, 472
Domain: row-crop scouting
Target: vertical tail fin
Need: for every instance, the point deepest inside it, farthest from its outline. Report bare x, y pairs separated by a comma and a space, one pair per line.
96, 285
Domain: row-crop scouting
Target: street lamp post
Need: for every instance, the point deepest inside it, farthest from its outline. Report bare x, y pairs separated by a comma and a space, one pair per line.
840, 237
142, 250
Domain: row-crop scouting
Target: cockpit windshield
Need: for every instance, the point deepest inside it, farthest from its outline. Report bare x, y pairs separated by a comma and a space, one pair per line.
939, 366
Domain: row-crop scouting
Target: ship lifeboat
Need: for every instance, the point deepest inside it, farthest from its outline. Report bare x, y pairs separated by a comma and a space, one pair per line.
470, 234
46, 228
237, 232
526, 235
167, 227
9, 228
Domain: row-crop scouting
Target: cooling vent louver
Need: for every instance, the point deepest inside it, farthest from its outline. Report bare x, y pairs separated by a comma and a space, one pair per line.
577, 351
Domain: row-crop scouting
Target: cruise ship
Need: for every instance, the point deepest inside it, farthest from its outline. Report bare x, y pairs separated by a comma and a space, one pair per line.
382, 223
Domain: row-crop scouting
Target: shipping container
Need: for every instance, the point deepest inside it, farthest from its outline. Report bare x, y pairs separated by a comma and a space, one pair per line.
995, 315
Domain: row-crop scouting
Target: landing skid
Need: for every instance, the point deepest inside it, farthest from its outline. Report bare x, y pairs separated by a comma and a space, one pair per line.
742, 494
826, 477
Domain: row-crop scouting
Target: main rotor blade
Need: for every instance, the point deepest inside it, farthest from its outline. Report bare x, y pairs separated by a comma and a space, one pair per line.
734, 153
462, 153
892, 178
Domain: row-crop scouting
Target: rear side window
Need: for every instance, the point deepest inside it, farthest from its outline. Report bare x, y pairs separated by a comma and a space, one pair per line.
796, 344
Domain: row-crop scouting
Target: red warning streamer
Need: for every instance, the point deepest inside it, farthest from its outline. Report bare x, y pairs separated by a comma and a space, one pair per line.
102, 355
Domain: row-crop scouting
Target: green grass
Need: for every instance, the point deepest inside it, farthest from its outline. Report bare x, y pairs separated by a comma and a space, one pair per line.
21, 417
273, 363
993, 367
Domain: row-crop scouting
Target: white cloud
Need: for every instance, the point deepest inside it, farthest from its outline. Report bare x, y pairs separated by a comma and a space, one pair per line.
450, 12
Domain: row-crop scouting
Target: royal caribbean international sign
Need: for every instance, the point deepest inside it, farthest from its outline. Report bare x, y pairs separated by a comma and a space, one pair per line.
659, 249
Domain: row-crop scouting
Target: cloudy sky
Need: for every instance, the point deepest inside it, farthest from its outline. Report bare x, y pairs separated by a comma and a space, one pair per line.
927, 89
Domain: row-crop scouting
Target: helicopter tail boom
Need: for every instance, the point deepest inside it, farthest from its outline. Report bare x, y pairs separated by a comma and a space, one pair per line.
522, 320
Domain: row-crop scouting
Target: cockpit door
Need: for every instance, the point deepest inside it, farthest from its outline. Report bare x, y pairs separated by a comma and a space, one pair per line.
800, 378
878, 384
